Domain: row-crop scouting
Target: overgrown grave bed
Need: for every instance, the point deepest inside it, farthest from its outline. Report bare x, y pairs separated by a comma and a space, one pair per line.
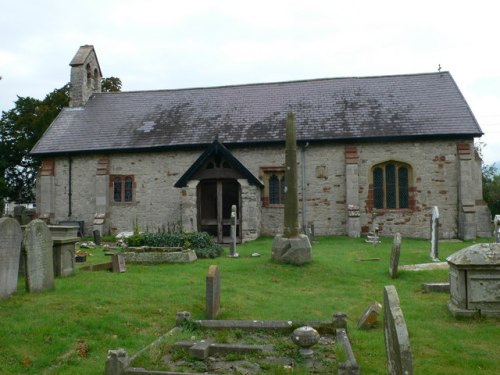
233, 347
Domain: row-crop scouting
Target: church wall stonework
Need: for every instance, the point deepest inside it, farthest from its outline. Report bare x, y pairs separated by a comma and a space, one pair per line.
158, 204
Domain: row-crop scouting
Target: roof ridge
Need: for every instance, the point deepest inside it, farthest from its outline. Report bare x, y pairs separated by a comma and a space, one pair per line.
278, 83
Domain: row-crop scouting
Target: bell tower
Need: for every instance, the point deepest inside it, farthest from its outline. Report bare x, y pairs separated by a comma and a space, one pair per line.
86, 76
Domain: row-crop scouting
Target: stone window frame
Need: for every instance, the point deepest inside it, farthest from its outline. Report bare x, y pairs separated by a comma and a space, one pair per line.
400, 193
265, 175
127, 196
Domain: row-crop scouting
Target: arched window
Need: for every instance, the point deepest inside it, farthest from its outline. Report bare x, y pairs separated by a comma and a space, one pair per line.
391, 184
96, 79
89, 75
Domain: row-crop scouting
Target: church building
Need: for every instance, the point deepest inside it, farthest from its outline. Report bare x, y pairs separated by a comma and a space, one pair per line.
384, 148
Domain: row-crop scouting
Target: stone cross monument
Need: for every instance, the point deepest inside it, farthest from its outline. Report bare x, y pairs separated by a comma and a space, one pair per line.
291, 247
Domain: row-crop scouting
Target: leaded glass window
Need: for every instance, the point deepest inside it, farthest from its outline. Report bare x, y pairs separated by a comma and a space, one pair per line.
391, 183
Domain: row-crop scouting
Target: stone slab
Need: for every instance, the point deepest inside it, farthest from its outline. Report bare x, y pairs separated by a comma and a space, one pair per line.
187, 256
10, 249
397, 341
37, 242
295, 250
436, 287
425, 266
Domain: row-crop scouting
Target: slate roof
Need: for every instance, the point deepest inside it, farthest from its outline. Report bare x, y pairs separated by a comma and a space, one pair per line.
338, 109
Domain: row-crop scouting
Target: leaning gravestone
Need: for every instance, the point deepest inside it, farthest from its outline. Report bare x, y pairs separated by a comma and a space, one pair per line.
213, 292
397, 342
37, 244
396, 250
10, 248
435, 234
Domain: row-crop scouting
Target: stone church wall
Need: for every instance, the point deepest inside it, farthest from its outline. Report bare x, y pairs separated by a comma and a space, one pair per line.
158, 203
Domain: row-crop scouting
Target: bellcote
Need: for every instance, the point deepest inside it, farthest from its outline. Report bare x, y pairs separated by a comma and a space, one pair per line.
86, 76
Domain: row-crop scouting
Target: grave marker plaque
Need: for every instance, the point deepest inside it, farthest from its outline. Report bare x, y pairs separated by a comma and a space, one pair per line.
37, 243
397, 342
213, 292
10, 249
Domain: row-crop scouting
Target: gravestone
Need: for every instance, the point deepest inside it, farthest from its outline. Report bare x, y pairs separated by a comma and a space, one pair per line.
232, 245
213, 292
496, 231
37, 243
291, 247
397, 342
97, 237
118, 263
10, 250
435, 234
370, 316
396, 250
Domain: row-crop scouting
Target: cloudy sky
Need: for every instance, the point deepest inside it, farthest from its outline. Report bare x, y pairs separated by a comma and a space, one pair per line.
165, 44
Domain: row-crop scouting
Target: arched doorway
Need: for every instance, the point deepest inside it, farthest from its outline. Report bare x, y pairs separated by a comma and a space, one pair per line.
215, 198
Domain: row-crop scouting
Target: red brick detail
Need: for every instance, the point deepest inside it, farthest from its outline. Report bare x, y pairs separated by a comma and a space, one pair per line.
48, 167
265, 201
102, 166
463, 148
351, 155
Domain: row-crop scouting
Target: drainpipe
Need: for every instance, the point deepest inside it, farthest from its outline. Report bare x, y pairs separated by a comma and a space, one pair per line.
303, 188
70, 193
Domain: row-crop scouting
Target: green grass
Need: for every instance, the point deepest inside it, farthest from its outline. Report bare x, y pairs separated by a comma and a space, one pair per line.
43, 333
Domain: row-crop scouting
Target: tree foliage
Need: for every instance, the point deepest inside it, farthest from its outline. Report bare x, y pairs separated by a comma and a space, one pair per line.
491, 188
20, 129
111, 84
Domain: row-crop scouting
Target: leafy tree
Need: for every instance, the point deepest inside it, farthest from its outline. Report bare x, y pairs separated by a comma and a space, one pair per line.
20, 129
491, 188
111, 84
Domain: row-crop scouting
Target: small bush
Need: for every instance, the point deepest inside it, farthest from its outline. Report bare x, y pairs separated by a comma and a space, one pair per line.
135, 240
201, 242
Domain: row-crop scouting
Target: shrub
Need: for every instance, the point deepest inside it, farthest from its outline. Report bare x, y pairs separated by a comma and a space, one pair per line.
201, 242
135, 240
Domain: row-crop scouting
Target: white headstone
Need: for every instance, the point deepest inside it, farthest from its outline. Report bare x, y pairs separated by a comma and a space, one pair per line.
435, 234
10, 248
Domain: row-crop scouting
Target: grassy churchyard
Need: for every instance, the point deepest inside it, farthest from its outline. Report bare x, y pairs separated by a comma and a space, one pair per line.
69, 330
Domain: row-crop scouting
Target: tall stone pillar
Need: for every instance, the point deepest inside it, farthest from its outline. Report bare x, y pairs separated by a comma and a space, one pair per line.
466, 202
291, 247
353, 226
249, 214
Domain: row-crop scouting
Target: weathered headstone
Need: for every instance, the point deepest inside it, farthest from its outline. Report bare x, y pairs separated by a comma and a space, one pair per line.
397, 342
213, 292
118, 263
97, 237
435, 234
496, 232
232, 246
291, 247
370, 316
37, 244
10, 249
396, 250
